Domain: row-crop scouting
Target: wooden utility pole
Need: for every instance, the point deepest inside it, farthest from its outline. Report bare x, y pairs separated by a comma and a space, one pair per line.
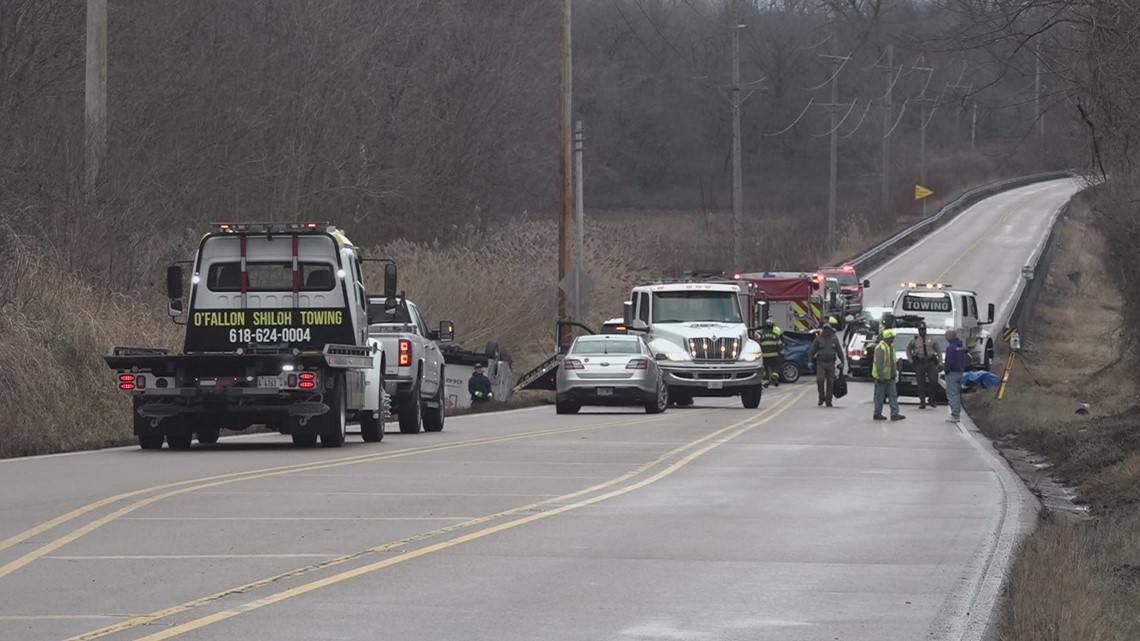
888, 115
974, 126
837, 62
834, 168
565, 165
95, 103
737, 179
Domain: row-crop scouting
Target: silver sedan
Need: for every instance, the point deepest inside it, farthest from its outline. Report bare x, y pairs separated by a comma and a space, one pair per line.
610, 370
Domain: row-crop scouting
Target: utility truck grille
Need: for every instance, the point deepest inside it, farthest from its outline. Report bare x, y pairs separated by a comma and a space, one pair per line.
714, 349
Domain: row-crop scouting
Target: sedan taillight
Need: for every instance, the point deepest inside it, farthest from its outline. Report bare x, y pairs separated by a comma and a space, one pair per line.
571, 363
638, 363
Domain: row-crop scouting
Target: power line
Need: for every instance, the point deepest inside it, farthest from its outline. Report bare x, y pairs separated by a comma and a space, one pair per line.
635, 34
860, 124
785, 130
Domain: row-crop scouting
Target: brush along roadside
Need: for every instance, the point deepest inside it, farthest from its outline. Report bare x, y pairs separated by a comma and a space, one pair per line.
1075, 579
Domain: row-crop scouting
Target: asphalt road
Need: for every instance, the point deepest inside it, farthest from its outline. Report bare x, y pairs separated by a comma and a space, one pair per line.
788, 523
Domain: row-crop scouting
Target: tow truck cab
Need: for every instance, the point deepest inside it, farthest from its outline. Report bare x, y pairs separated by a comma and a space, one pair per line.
943, 307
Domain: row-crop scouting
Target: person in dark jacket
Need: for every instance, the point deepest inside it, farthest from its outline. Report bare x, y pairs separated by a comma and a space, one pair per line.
825, 351
479, 386
954, 367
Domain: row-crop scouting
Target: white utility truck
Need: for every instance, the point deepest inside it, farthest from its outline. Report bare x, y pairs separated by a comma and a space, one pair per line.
276, 335
411, 362
698, 333
943, 307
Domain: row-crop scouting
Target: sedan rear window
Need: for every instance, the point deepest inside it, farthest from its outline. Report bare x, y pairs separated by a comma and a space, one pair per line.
606, 347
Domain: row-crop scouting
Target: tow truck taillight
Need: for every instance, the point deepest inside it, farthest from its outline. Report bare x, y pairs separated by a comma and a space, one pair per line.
405, 353
126, 381
140, 382
638, 363
571, 363
308, 380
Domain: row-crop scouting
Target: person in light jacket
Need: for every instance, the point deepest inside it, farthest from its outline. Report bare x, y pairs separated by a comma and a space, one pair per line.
954, 367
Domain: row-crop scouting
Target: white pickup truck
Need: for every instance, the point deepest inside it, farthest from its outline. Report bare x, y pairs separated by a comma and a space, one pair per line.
411, 361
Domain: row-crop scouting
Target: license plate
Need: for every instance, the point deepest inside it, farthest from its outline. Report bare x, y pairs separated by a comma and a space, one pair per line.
272, 382
716, 384
605, 391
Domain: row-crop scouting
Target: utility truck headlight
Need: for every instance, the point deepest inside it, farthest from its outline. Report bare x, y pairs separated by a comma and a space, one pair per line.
750, 357
677, 356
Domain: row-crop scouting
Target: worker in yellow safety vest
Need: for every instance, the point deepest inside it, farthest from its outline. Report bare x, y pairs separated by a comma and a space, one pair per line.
884, 370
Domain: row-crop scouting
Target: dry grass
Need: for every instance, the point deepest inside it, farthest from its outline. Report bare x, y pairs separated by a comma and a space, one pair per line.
59, 394
1051, 596
503, 286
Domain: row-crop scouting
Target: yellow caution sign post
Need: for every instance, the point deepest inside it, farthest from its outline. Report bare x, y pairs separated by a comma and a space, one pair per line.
922, 193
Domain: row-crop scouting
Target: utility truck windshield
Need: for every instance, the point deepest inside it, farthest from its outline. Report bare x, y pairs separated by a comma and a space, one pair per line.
696, 306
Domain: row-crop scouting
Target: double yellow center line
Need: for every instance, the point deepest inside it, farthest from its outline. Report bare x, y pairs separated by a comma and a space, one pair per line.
169, 490
557, 506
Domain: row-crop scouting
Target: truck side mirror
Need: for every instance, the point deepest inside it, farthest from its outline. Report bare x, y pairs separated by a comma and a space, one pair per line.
174, 282
174, 291
990, 315
638, 325
390, 281
446, 331
866, 284
627, 313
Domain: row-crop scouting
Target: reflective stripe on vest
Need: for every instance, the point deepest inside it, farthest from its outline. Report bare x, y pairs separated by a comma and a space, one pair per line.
889, 350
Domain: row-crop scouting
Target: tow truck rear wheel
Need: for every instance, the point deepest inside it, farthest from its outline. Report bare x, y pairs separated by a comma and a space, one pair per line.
208, 435
179, 438
372, 426
336, 421
750, 396
151, 441
411, 412
304, 440
433, 416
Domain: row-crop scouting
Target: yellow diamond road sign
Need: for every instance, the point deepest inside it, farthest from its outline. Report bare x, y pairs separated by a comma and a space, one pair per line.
921, 192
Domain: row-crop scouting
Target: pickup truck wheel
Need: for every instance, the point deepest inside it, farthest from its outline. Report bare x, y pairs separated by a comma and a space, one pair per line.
336, 425
411, 411
433, 416
750, 397
151, 441
304, 440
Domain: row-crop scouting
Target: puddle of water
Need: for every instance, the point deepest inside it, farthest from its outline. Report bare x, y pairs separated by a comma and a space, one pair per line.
1033, 469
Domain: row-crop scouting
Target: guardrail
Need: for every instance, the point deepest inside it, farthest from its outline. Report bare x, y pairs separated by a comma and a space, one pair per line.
1020, 318
882, 252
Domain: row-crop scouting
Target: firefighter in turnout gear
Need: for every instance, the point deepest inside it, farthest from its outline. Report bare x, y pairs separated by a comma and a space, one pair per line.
772, 350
